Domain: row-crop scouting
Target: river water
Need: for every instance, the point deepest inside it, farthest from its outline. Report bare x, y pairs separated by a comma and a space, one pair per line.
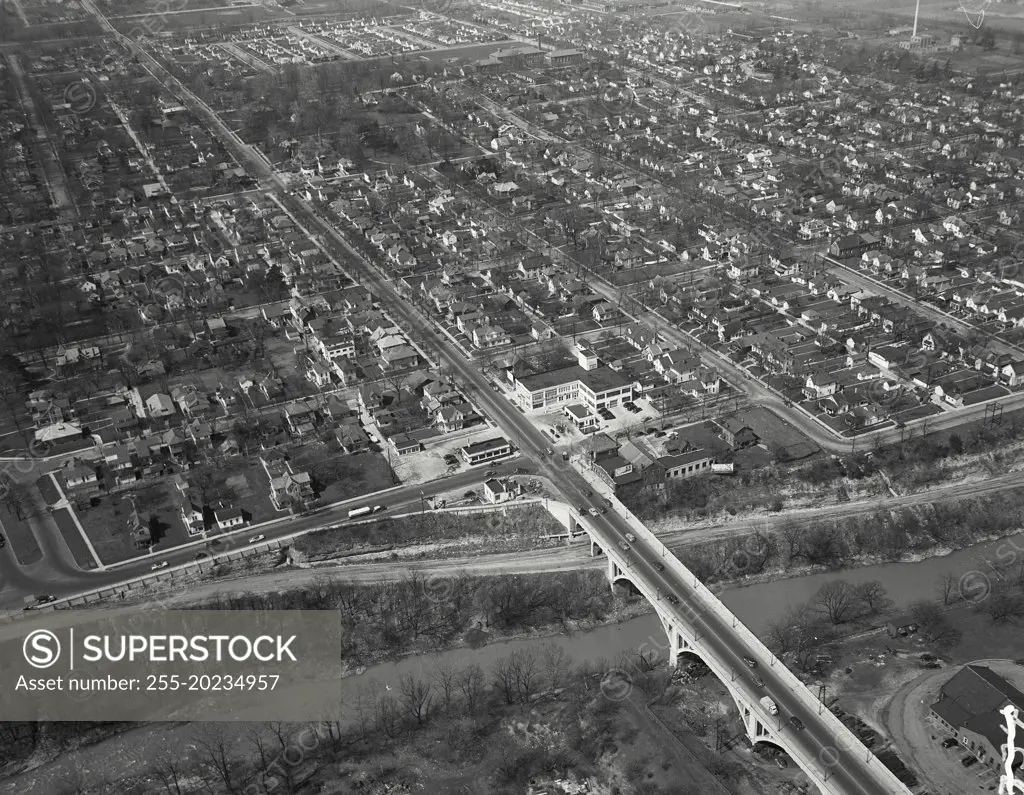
758, 606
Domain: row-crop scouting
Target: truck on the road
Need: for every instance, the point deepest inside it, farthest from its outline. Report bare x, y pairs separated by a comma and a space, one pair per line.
770, 705
355, 512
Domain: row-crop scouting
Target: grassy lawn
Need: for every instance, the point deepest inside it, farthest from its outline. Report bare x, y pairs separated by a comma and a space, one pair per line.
342, 476
107, 522
20, 538
772, 430
246, 487
73, 538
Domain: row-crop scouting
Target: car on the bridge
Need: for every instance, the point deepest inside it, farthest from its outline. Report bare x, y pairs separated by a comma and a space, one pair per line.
595, 512
3, 542
659, 567
672, 598
584, 510
46, 598
588, 493
750, 662
759, 682
256, 539
631, 538
624, 546
602, 510
161, 565
796, 723
608, 502
491, 473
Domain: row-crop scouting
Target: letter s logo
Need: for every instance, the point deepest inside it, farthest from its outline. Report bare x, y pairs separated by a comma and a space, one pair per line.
41, 648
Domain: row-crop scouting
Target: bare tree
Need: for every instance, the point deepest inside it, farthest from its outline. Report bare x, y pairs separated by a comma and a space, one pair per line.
793, 538
1002, 606
471, 685
386, 714
257, 739
933, 625
214, 754
170, 770
556, 665
445, 683
800, 633
948, 588
415, 698
526, 671
836, 600
505, 679
872, 596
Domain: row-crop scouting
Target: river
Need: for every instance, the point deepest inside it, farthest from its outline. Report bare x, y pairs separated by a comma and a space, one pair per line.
757, 605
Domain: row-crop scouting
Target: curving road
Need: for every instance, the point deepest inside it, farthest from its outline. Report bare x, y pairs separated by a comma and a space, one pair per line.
58, 574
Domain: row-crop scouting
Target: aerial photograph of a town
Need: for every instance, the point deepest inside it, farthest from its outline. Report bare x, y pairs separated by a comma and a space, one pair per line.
602, 397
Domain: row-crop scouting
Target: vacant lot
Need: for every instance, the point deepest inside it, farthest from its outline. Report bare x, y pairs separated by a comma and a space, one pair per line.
73, 538
20, 537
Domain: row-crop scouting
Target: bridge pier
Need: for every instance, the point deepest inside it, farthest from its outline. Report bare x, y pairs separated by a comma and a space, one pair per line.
595, 550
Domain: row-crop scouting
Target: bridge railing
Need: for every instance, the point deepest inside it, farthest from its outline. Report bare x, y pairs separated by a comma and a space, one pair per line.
845, 743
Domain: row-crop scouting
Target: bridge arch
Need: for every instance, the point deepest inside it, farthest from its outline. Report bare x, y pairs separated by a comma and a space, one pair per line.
684, 645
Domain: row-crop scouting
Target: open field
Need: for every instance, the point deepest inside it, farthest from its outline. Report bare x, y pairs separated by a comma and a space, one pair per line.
20, 538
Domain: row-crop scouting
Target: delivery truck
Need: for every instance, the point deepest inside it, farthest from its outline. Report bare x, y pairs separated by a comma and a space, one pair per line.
769, 705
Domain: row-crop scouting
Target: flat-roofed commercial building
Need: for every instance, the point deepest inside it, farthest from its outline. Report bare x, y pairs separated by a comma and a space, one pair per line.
595, 388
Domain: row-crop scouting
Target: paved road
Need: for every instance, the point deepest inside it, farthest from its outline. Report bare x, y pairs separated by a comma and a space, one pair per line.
58, 574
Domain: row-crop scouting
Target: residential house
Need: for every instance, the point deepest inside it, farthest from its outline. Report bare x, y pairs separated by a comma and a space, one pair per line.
228, 518
736, 434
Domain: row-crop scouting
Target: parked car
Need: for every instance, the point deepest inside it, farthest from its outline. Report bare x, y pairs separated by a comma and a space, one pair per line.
949, 742
969, 761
